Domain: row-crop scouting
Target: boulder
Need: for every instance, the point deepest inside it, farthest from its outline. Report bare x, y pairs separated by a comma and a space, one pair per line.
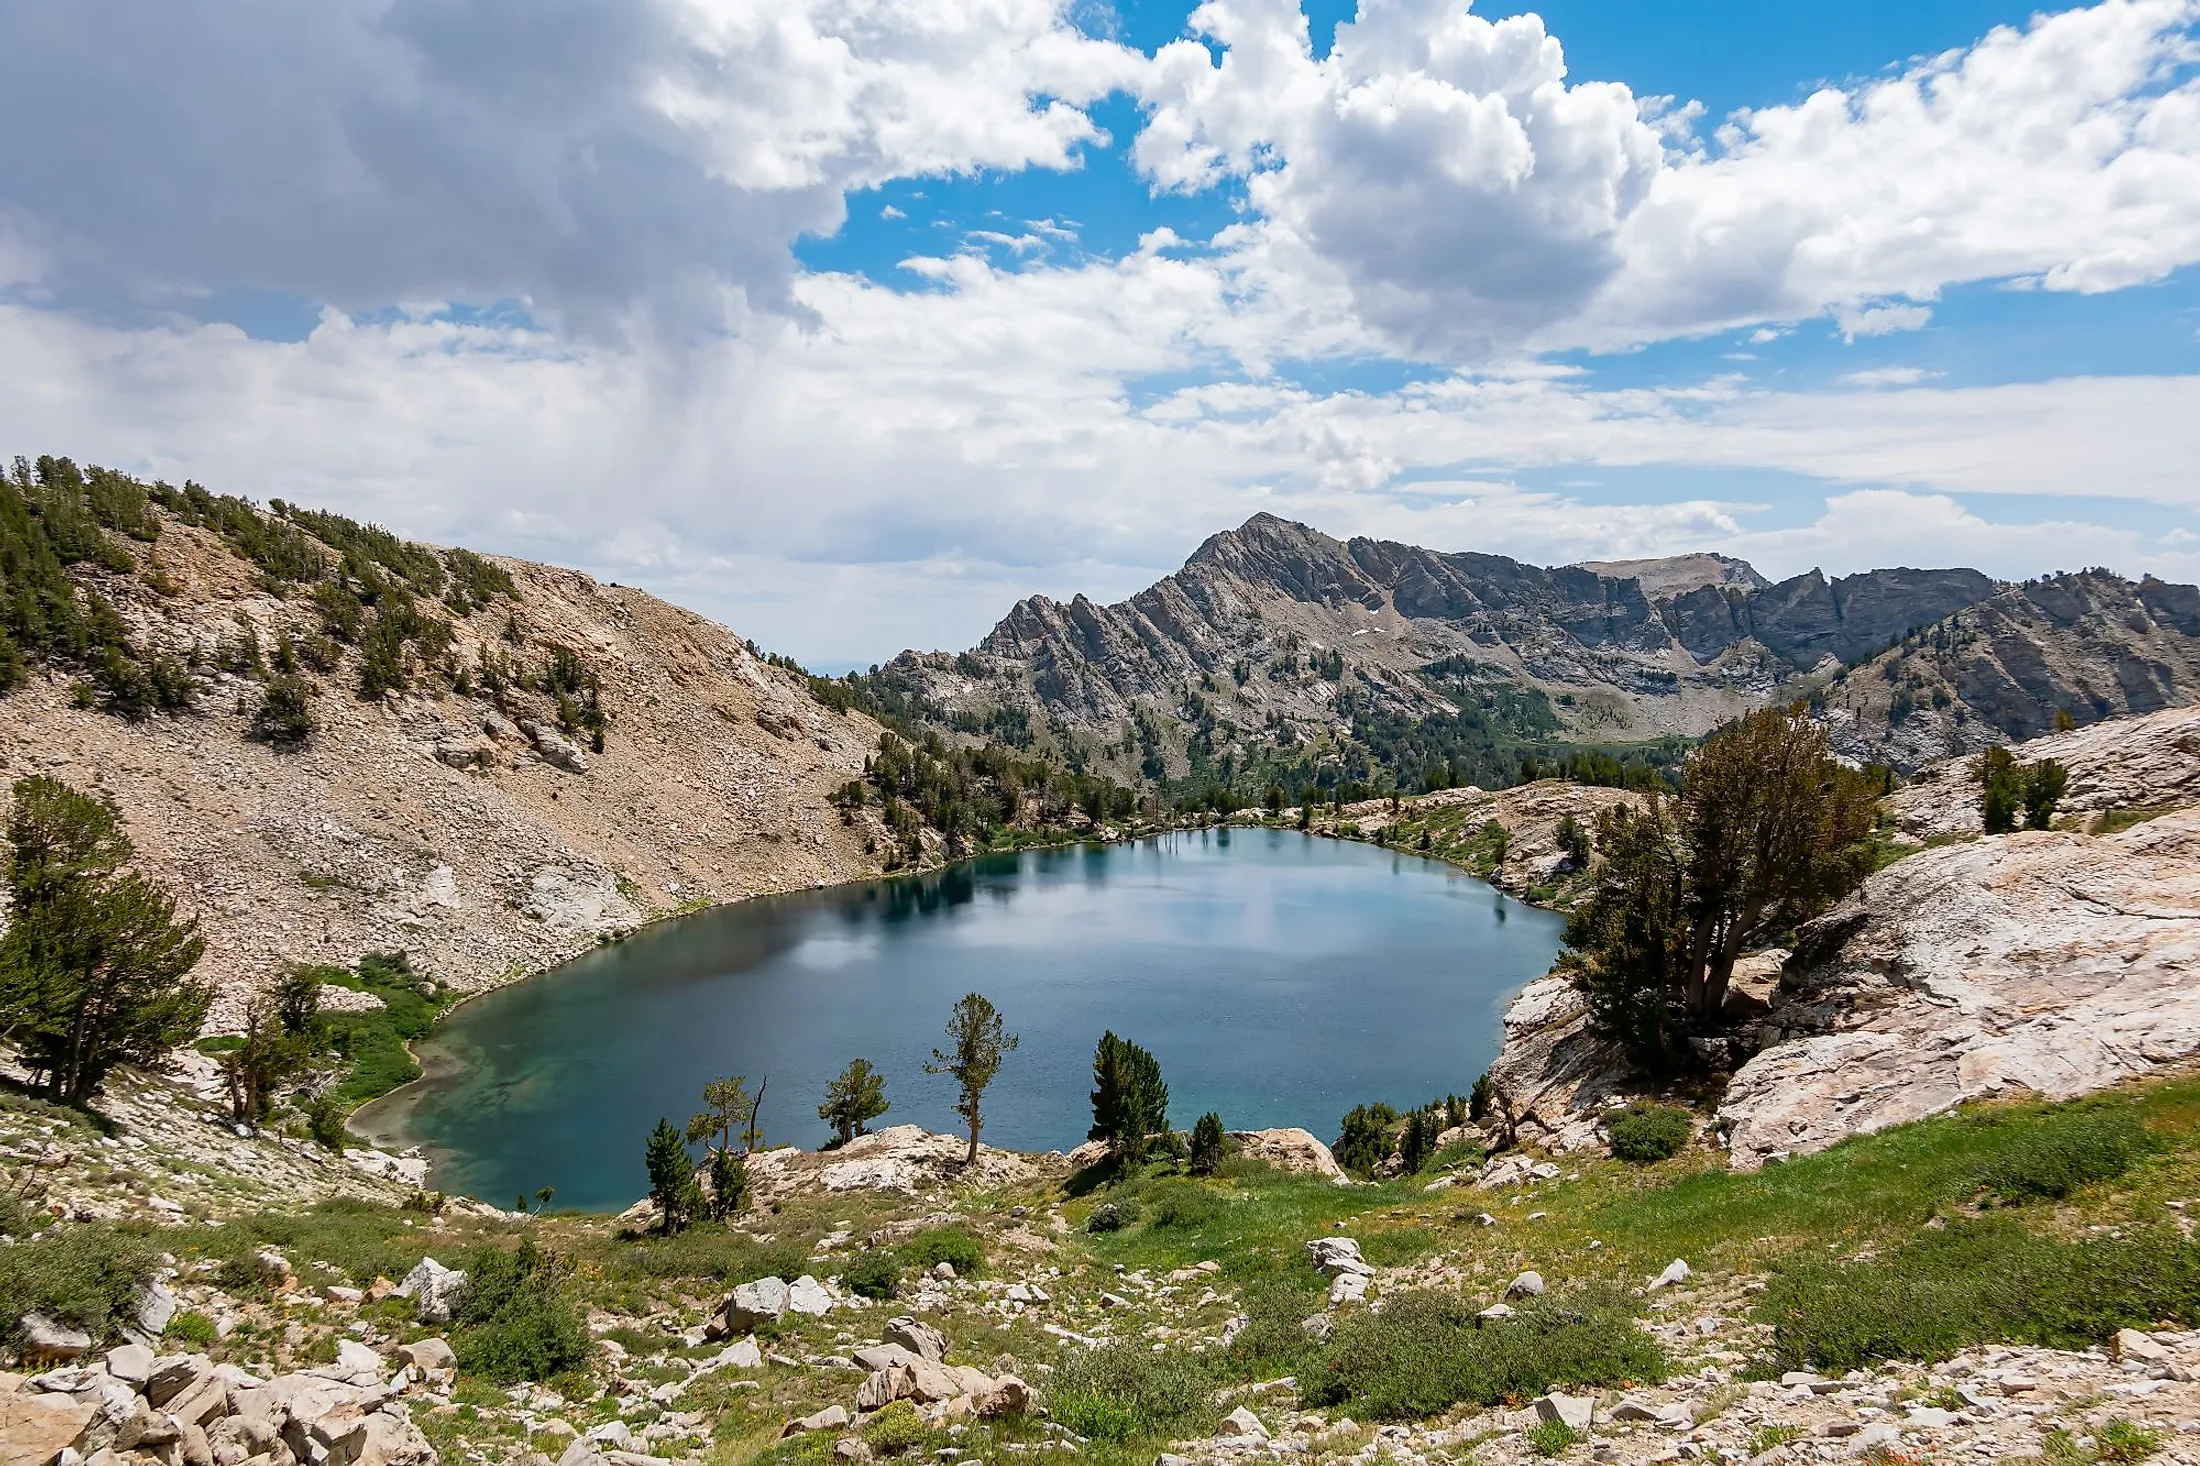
434, 1289
2131, 1344
742, 1354
1572, 1411
751, 1304
582, 1452
806, 1295
34, 1427
1334, 1255
1348, 1288
883, 1356
920, 1339
429, 1354
1528, 1285
130, 1363
1243, 1425
921, 1380
832, 1417
173, 1375
274, 1268
1009, 1396
1290, 1150
156, 1309
44, 1338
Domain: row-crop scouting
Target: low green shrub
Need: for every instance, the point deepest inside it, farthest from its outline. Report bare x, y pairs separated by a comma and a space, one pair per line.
1460, 1152
1181, 1204
86, 1276
1427, 1351
1552, 1437
1988, 1281
1112, 1216
950, 1245
896, 1428
1644, 1133
1272, 1343
191, 1327
706, 1252
874, 1274
2053, 1156
516, 1320
2124, 1443
1121, 1392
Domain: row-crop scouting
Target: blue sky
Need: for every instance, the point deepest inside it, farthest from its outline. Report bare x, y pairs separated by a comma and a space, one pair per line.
849, 325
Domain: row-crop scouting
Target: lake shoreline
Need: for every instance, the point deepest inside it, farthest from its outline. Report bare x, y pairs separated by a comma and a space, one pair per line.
542, 1066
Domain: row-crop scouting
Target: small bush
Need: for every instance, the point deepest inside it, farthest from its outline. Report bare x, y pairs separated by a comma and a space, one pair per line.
1552, 1437
2053, 1157
1182, 1204
87, 1277
898, 1427
516, 1321
2125, 1443
1272, 1343
950, 1245
1426, 1351
1646, 1133
192, 1327
1126, 1391
1112, 1216
705, 1252
1981, 1282
873, 1275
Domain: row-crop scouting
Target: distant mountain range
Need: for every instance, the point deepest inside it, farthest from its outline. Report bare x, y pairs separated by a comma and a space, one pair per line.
1279, 651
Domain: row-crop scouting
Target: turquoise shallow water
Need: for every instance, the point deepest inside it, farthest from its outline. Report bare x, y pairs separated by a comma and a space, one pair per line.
1280, 979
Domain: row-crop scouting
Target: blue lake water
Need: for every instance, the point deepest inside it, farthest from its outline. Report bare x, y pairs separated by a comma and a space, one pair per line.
1280, 980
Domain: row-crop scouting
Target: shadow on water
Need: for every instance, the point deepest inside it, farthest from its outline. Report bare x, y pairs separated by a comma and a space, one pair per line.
1280, 980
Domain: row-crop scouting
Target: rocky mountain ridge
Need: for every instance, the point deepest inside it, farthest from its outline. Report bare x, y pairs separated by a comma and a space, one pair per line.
1275, 639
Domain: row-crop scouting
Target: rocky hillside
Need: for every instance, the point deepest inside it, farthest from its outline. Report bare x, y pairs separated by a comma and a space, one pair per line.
2054, 962
1275, 639
2090, 646
493, 766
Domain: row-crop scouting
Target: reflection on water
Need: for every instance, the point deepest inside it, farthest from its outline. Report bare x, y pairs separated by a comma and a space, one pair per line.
1279, 979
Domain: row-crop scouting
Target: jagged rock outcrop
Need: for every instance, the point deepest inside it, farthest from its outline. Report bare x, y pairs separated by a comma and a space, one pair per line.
1268, 626
2048, 962
2092, 645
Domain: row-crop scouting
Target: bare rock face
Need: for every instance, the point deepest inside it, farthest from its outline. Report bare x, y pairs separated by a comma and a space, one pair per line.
1553, 1076
2125, 763
2049, 962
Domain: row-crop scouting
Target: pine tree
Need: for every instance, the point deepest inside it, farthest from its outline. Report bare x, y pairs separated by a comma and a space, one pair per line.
979, 1044
853, 1100
729, 1184
94, 966
1207, 1143
1130, 1103
672, 1183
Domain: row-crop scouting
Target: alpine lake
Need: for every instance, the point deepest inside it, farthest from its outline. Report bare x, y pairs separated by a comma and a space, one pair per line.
1279, 978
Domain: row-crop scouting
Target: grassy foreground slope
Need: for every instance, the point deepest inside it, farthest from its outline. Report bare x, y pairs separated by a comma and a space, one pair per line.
2021, 1224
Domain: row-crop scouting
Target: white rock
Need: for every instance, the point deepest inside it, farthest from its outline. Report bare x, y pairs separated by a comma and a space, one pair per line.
806, 1295
751, 1304
434, 1289
742, 1354
131, 1363
2131, 1344
1676, 1271
1527, 1285
1572, 1411
1242, 1424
